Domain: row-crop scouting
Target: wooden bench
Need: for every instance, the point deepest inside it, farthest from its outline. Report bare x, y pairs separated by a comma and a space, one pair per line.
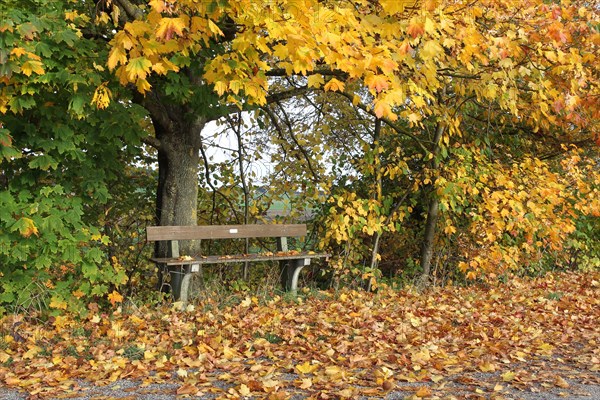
182, 267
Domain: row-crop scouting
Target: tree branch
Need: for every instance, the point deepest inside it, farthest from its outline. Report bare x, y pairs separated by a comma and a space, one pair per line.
152, 142
323, 71
130, 9
307, 157
286, 94
387, 121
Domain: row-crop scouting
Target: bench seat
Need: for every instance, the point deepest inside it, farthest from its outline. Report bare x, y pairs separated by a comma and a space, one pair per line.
182, 267
238, 258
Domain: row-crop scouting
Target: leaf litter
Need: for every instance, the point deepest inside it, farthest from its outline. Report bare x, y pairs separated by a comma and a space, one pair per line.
536, 335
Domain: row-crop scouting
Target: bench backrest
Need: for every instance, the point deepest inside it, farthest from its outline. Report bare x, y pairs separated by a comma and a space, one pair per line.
157, 233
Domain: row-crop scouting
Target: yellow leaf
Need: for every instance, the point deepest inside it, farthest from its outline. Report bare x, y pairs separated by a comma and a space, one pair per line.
116, 56
487, 367
334, 86
270, 383
429, 26
421, 357
58, 303
334, 372
508, 376
4, 357
214, 28
396, 6
159, 68
244, 390
18, 51
71, 15
101, 99
158, 5
315, 80
102, 18
167, 27
220, 87
30, 66
546, 348
307, 368
431, 49
138, 68
449, 230
235, 86
388, 66
142, 85
306, 383
229, 352
383, 109
32, 352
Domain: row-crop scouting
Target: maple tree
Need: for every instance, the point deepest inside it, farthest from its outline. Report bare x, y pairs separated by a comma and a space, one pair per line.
426, 63
59, 157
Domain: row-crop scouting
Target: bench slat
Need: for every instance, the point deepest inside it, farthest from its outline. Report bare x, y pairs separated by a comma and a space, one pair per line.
155, 233
238, 258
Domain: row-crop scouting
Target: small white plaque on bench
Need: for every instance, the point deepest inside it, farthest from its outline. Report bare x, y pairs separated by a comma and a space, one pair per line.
233, 231
195, 267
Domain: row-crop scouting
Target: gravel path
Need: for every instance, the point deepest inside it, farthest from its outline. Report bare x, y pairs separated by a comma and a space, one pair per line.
466, 386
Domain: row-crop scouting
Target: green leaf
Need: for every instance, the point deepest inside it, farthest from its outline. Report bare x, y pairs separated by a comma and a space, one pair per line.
77, 104
43, 162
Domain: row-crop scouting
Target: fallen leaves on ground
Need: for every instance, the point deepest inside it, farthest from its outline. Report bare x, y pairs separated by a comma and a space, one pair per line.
524, 334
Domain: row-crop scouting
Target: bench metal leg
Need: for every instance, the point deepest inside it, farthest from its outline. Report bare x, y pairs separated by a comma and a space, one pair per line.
291, 273
181, 281
185, 288
176, 279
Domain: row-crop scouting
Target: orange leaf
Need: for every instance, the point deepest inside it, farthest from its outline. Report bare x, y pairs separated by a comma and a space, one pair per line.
115, 297
404, 48
415, 29
188, 389
377, 82
560, 382
423, 391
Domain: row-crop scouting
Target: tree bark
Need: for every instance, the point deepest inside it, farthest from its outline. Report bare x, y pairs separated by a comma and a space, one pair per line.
178, 139
432, 213
428, 241
178, 167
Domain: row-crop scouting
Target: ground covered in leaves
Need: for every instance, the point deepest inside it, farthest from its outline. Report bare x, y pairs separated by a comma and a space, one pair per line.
523, 334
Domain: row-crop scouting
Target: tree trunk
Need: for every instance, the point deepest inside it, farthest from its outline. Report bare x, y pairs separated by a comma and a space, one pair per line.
178, 145
178, 167
432, 213
428, 241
